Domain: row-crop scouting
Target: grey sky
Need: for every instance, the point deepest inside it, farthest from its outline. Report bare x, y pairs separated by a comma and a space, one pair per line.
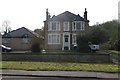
31, 13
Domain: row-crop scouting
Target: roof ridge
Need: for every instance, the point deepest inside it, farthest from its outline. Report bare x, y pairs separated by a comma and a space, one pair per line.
67, 16
32, 32
68, 12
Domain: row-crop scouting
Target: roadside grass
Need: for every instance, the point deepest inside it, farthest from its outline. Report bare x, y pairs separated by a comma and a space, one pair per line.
57, 66
115, 52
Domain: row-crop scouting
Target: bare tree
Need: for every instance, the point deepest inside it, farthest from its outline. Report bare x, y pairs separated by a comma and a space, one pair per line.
6, 26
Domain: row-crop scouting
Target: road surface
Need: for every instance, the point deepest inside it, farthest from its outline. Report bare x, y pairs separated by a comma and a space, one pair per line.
48, 78
57, 75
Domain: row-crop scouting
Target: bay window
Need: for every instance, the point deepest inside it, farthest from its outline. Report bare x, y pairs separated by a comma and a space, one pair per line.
53, 39
78, 25
74, 39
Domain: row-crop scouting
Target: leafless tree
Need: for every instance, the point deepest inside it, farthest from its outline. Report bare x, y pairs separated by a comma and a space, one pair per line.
6, 26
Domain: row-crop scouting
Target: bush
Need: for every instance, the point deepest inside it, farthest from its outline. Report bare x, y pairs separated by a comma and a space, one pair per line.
83, 43
36, 44
105, 46
35, 47
117, 45
95, 36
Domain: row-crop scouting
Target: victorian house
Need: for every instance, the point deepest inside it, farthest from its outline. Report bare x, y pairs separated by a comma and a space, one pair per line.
61, 31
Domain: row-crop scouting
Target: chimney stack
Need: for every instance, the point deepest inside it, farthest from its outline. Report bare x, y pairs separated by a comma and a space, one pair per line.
47, 13
85, 14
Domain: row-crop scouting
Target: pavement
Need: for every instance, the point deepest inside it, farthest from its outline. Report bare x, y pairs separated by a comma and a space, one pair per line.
72, 74
20, 51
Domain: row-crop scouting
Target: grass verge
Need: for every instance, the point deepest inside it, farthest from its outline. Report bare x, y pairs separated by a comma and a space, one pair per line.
52, 66
115, 52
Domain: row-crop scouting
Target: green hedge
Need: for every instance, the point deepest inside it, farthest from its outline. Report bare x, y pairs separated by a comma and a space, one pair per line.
115, 56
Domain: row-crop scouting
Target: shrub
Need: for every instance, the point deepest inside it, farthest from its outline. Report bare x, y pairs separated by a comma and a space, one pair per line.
83, 43
96, 36
105, 46
35, 47
117, 45
37, 44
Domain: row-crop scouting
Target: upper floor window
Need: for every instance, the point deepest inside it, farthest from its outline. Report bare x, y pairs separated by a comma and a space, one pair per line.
66, 26
54, 26
78, 25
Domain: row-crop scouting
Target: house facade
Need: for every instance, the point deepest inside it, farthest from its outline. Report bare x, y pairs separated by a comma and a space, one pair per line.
61, 31
19, 39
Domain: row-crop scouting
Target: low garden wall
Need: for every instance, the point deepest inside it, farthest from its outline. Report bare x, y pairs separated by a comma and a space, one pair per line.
86, 58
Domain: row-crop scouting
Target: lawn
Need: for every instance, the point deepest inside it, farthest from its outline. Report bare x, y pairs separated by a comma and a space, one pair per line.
53, 66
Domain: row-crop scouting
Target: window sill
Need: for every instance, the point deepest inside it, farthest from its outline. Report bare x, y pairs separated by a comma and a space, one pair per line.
53, 43
53, 30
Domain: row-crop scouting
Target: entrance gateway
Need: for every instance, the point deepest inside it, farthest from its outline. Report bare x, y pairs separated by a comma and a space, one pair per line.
66, 41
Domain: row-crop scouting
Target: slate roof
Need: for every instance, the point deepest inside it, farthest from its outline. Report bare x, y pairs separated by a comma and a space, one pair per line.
21, 32
67, 16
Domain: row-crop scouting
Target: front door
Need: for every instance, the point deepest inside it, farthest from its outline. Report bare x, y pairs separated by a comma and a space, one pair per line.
66, 42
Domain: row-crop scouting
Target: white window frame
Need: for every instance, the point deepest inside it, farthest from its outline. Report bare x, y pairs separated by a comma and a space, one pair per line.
83, 26
50, 41
57, 27
74, 38
74, 26
66, 27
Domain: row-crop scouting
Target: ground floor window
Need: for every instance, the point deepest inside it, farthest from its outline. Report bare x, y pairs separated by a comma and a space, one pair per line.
74, 39
53, 39
6, 40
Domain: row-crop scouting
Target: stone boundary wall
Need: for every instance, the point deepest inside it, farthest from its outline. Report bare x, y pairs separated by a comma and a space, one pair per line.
79, 58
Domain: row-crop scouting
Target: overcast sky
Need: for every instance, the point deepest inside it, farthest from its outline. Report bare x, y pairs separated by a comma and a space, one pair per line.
32, 13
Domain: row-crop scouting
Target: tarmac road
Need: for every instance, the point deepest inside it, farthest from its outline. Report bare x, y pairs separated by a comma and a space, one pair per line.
48, 78
57, 75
